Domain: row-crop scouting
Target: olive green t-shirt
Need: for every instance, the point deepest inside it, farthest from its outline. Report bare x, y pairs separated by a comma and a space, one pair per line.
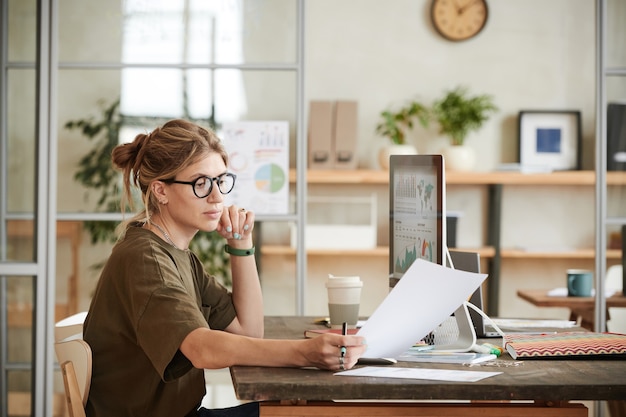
150, 296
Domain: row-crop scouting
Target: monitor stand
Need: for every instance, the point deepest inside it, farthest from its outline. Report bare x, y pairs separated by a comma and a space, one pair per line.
467, 334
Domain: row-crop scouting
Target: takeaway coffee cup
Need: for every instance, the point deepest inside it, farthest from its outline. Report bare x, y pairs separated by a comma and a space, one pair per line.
579, 282
344, 298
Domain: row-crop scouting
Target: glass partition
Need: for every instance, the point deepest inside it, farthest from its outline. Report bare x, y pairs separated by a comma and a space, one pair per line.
150, 96
18, 153
20, 145
22, 30
146, 62
178, 31
615, 43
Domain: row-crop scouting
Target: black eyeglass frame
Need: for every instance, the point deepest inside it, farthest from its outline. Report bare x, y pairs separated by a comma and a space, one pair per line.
211, 181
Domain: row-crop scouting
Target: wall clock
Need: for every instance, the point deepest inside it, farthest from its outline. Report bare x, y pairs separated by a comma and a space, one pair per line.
459, 20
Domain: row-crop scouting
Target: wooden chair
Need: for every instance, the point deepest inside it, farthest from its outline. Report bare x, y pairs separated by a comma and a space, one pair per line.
74, 356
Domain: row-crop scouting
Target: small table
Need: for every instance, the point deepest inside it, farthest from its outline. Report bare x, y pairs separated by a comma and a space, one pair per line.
580, 307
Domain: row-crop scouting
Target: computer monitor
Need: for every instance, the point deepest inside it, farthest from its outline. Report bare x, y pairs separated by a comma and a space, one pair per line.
417, 229
417, 212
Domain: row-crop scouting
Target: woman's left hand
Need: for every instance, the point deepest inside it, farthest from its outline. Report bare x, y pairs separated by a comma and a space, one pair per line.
236, 225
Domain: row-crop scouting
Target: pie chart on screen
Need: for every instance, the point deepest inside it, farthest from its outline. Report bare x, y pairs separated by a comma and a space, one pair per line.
269, 178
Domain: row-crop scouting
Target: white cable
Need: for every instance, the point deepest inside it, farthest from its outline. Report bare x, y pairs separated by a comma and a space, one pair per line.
475, 308
449, 257
486, 317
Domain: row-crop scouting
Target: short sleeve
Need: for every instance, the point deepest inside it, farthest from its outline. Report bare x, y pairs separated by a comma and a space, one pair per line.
170, 315
174, 308
216, 301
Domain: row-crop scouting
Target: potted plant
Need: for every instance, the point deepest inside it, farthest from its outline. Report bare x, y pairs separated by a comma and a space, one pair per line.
96, 171
394, 125
458, 114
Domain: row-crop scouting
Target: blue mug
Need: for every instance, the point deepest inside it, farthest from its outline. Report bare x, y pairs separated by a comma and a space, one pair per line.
579, 282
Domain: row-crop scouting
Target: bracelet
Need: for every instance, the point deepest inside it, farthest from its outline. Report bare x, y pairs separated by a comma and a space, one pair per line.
239, 252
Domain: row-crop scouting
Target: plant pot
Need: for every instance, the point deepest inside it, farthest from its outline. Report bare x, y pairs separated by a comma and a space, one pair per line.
386, 151
459, 158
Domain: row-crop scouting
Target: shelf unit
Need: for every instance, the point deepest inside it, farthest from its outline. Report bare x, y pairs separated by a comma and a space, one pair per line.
492, 250
371, 176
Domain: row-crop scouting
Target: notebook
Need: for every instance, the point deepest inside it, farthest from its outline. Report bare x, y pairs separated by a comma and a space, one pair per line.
565, 344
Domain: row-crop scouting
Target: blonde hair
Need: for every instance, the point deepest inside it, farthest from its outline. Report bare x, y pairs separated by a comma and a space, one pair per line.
160, 155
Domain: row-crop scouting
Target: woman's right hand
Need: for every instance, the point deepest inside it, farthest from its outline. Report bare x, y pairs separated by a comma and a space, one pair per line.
324, 351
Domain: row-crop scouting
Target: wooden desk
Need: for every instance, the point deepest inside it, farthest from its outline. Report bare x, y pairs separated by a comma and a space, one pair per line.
548, 384
580, 307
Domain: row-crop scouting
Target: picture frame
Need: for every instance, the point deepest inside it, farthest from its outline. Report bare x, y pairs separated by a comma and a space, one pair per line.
550, 139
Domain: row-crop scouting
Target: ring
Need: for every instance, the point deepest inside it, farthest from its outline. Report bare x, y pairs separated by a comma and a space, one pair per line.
242, 210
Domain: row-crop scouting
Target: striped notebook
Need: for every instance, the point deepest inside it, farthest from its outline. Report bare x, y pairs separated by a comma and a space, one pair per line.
564, 344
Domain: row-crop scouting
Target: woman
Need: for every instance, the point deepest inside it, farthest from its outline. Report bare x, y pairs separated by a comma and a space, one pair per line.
157, 319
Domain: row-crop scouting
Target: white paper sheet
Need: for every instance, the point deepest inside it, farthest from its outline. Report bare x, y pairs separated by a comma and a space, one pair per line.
426, 295
419, 373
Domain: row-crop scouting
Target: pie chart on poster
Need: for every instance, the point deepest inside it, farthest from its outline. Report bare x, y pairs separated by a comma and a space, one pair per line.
269, 178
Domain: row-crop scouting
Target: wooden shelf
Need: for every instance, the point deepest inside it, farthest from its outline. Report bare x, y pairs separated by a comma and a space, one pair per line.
555, 254
517, 178
485, 252
383, 251
365, 176
348, 176
288, 250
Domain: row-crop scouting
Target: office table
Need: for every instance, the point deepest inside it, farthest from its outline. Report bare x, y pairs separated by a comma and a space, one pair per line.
582, 307
548, 385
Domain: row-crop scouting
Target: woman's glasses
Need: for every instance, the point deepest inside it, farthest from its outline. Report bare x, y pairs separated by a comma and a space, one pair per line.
202, 186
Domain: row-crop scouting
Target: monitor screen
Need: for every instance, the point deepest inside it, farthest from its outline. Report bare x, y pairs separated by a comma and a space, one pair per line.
416, 212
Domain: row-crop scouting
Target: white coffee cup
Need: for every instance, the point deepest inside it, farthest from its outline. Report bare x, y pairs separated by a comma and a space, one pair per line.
344, 299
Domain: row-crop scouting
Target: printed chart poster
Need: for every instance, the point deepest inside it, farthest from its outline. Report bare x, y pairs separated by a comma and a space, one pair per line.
259, 156
415, 218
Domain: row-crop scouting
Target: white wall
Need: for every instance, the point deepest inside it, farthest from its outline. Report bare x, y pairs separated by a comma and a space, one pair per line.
532, 54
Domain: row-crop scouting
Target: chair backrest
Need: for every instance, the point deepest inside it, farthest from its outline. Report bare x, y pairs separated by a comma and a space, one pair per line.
613, 280
75, 359
74, 356
616, 320
70, 327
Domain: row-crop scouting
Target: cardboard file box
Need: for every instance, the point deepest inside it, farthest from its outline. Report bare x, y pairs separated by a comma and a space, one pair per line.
339, 223
320, 135
345, 135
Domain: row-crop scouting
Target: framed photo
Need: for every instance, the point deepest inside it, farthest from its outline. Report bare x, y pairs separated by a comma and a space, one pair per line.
550, 139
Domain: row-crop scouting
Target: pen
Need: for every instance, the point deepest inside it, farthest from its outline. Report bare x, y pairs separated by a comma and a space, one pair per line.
344, 331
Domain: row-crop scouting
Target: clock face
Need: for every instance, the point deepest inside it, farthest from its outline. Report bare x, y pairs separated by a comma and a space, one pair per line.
458, 20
